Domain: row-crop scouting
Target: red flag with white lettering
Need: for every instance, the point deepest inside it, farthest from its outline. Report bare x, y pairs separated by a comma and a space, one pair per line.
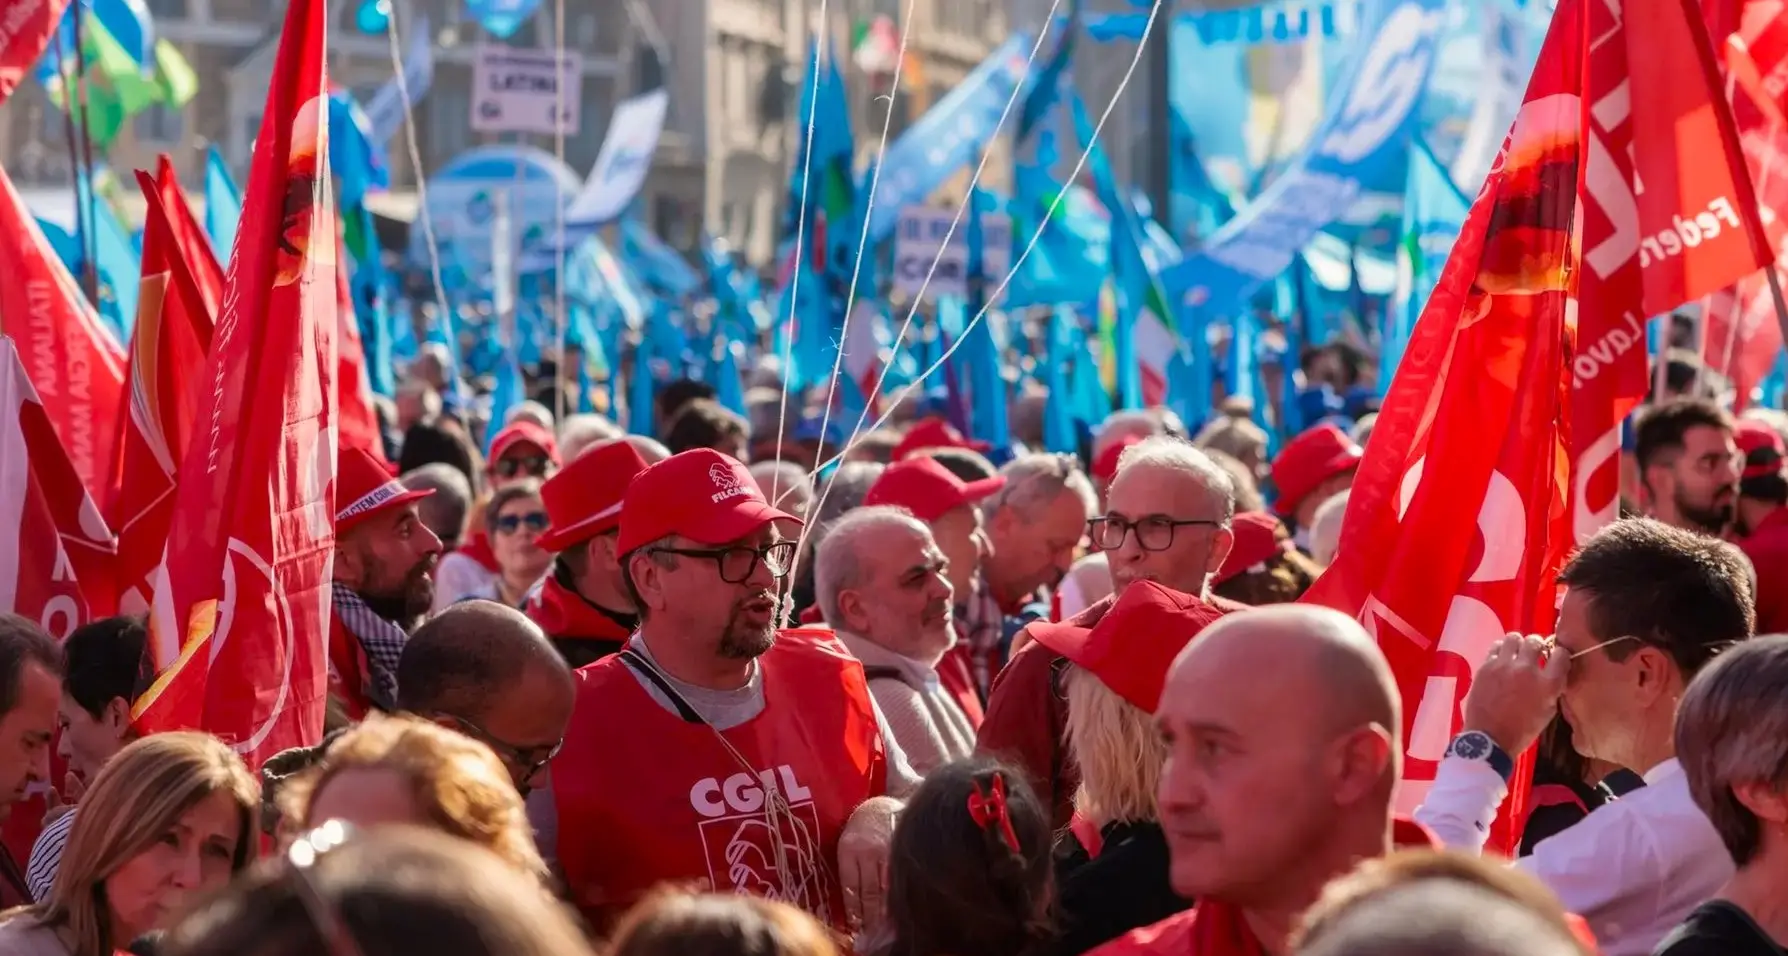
241, 608
189, 238
1474, 427
74, 363
167, 346
25, 30
1664, 213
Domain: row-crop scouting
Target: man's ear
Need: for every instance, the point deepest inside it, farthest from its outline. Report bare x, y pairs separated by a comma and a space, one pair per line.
646, 574
850, 608
349, 569
1222, 542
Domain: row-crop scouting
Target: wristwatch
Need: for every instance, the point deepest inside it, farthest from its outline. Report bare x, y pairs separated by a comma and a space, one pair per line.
1477, 745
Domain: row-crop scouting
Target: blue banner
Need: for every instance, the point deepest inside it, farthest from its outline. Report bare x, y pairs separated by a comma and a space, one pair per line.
1367, 129
949, 136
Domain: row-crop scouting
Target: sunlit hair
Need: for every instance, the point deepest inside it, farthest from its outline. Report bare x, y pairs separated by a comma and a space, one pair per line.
1118, 751
141, 795
1375, 878
675, 923
459, 785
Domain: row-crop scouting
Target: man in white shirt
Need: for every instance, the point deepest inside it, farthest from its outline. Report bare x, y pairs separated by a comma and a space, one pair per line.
883, 584
1646, 607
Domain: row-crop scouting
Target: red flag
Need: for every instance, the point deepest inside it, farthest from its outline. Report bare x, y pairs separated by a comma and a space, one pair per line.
1665, 208
359, 423
241, 608
167, 346
189, 238
74, 363
1476, 428
56, 553
1757, 56
25, 30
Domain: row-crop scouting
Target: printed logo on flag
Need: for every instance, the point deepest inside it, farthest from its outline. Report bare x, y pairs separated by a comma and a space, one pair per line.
745, 855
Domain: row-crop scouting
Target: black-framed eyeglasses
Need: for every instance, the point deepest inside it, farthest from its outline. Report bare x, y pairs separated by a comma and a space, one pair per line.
303, 854
529, 760
534, 465
535, 521
1153, 532
737, 563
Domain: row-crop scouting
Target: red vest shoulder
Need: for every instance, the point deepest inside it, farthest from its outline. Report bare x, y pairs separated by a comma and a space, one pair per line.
1170, 937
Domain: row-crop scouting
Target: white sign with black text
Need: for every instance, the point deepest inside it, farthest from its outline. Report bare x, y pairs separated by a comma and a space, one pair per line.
919, 240
526, 91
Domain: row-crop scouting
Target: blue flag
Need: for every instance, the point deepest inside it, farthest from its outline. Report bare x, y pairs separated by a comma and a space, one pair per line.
1433, 213
115, 259
223, 207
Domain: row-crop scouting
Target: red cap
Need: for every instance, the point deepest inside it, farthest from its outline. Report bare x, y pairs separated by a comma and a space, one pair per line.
701, 494
926, 488
364, 488
524, 430
934, 432
1256, 540
1762, 447
1310, 459
1105, 466
584, 500
1134, 644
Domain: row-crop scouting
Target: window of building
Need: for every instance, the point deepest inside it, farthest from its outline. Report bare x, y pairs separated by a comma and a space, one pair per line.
160, 124
449, 110
168, 8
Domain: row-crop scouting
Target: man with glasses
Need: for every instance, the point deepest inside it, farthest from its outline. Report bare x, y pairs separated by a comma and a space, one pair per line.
712, 748
1646, 607
485, 670
1166, 520
522, 450
1689, 465
583, 605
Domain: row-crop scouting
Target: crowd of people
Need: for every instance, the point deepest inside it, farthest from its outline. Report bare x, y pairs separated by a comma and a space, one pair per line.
595, 693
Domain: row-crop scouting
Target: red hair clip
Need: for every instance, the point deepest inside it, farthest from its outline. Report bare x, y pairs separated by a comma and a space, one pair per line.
986, 809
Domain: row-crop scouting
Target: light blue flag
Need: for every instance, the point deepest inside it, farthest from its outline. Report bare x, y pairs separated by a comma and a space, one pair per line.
357, 160
115, 259
949, 136
67, 249
1362, 138
1433, 213
1059, 431
659, 265
508, 393
641, 390
501, 17
986, 386
223, 206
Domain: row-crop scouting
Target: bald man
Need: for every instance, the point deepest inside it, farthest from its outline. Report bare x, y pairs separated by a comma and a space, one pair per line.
1283, 727
487, 671
1439, 916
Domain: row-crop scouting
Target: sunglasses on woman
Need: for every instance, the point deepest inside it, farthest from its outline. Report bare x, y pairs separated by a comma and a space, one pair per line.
535, 521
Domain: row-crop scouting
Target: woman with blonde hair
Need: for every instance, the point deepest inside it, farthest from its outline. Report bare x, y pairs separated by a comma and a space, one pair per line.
1112, 871
171, 816
399, 769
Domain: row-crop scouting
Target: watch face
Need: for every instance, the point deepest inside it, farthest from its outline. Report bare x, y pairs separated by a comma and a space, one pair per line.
1472, 746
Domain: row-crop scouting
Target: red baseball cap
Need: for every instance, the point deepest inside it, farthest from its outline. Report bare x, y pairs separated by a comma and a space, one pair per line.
701, 494
1134, 644
1313, 457
364, 487
584, 500
1105, 466
524, 431
926, 488
1256, 540
934, 432
1762, 447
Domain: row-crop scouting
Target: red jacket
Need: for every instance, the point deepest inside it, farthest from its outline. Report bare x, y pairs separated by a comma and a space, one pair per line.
1767, 547
579, 629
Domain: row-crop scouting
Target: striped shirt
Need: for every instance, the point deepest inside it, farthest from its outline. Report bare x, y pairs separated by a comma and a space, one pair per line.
46, 856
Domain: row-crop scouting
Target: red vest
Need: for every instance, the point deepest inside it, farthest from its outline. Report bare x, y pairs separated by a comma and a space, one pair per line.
664, 801
349, 674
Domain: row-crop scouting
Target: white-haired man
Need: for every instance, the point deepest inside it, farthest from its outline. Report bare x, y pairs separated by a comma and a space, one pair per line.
1166, 520
883, 585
